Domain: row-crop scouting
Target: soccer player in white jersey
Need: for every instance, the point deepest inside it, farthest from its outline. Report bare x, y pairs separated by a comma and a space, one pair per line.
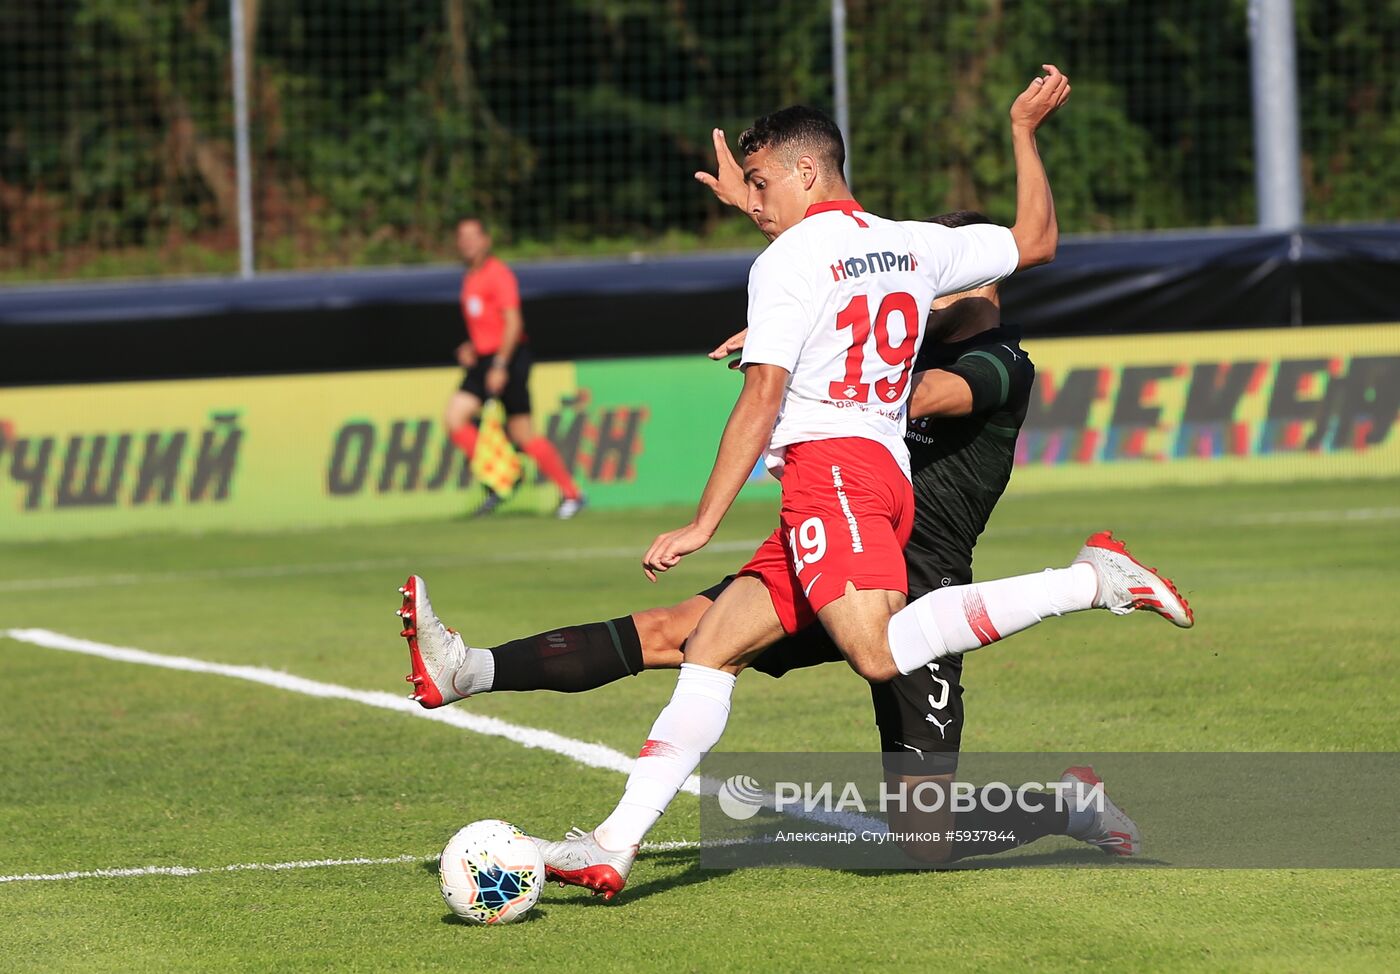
837, 307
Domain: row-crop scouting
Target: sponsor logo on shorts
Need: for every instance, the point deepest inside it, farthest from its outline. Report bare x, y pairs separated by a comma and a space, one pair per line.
942, 725
896, 415
840, 485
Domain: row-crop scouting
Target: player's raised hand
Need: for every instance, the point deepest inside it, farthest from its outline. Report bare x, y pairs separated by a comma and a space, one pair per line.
730, 345
1041, 99
728, 181
667, 550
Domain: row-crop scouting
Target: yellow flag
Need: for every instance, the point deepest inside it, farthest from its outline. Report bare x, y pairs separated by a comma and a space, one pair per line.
495, 463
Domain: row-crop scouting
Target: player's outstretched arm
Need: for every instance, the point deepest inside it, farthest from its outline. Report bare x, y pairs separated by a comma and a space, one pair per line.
745, 438
1036, 231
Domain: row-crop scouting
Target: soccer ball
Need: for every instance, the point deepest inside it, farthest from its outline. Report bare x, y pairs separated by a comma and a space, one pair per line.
491, 872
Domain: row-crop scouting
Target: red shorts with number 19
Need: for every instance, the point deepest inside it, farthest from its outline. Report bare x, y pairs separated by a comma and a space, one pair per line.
847, 513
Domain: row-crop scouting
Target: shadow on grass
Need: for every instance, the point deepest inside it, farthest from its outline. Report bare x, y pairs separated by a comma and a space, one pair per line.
669, 857
693, 873
538, 913
689, 876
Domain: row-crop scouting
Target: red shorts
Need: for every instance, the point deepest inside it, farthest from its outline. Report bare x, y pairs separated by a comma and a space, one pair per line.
846, 516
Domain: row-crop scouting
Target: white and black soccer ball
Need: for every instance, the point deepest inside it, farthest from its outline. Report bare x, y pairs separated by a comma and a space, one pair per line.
491, 872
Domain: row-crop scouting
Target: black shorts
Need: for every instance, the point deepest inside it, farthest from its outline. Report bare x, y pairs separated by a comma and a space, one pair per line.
515, 397
919, 716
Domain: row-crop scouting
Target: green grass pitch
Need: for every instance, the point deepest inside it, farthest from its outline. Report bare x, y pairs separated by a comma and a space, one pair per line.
108, 764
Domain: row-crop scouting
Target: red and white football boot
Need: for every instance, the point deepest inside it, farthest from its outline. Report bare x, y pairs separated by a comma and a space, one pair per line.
439, 657
1112, 830
1126, 585
578, 860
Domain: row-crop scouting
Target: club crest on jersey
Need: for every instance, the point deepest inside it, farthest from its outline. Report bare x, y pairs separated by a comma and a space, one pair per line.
873, 263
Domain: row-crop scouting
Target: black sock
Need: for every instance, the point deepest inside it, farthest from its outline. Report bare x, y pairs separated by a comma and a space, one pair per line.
1014, 821
570, 660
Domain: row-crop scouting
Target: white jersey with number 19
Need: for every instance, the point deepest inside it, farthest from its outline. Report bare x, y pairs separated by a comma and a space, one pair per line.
841, 299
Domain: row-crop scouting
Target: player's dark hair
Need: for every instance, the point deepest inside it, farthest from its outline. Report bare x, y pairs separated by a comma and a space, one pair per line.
959, 218
797, 126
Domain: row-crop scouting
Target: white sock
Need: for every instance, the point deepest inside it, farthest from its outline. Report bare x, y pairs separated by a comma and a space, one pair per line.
954, 620
482, 667
691, 724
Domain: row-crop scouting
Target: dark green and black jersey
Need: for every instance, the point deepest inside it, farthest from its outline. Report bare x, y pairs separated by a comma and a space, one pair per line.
962, 465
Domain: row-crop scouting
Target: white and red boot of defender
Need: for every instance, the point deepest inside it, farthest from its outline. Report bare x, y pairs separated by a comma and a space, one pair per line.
442, 666
1110, 829
1126, 585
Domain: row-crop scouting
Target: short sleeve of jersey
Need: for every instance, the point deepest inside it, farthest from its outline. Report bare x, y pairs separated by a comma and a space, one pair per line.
995, 373
778, 314
506, 288
964, 258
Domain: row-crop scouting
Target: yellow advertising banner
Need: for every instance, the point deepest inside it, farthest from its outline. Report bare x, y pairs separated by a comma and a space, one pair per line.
359, 447
243, 453
1268, 404
356, 447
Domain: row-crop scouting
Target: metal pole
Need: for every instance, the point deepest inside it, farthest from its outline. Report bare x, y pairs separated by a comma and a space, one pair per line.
1274, 76
840, 94
242, 155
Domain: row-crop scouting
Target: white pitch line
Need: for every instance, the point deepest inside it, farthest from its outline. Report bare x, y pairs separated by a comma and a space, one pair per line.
591, 755
197, 871
273, 867
352, 567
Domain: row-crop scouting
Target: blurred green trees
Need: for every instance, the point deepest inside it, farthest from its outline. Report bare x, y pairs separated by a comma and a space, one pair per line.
574, 125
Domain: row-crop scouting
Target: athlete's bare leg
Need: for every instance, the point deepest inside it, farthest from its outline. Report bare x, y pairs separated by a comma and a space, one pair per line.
461, 417
739, 625
663, 631
859, 623
462, 408
910, 820
520, 430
